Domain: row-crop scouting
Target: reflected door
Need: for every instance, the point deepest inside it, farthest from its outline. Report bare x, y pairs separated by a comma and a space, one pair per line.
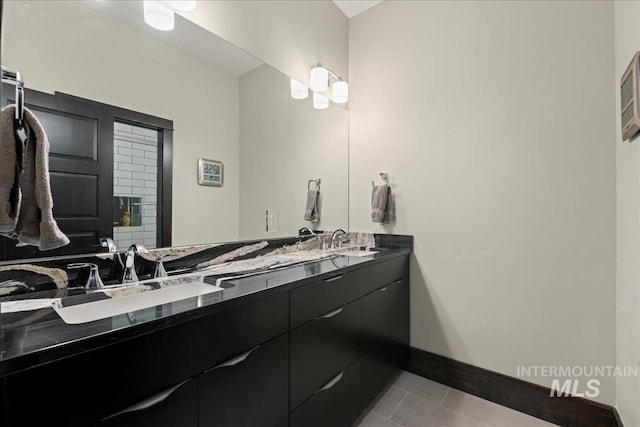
81, 171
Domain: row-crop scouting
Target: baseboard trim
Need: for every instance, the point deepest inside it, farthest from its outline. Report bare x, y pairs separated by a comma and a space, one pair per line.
523, 396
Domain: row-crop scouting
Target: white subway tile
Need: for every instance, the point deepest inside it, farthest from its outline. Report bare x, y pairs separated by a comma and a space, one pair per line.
122, 159
151, 184
122, 174
151, 154
150, 169
137, 153
119, 190
152, 133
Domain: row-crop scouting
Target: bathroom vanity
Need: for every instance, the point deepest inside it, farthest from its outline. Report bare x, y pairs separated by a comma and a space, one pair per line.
310, 344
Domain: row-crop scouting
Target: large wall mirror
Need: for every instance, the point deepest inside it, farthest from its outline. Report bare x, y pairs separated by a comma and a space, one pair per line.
222, 103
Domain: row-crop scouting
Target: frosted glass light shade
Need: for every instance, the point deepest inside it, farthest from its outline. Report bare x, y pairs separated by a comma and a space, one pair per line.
181, 5
298, 90
319, 79
340, 92
320, 102
158, 16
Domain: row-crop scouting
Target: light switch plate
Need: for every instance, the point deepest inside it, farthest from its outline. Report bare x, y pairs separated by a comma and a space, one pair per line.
272, 221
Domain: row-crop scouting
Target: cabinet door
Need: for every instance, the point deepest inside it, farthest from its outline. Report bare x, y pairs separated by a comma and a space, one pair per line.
176, 406
322, 348
251, 389
399, 322
376, 336
332, 405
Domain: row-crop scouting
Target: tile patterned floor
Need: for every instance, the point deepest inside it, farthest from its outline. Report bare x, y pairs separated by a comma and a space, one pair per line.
413, 401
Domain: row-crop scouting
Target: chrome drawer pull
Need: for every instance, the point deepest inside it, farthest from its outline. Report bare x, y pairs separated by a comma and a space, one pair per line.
330, 314
147, 403
332, 279
234, 360
333, 381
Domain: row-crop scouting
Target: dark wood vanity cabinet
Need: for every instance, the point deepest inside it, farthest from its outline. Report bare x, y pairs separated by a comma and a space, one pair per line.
347, 343
298, 358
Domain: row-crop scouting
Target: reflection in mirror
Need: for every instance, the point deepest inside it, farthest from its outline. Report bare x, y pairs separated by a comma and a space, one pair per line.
224, 104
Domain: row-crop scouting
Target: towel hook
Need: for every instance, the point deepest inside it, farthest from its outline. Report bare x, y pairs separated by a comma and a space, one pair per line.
315, 181
16, 78
383, 176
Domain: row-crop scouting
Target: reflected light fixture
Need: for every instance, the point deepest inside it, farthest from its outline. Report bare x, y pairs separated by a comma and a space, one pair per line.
158, 16
298, 90
181, 5
320, 102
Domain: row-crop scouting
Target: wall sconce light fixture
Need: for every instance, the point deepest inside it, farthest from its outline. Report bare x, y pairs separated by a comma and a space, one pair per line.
160, 14
298, 90
320, 102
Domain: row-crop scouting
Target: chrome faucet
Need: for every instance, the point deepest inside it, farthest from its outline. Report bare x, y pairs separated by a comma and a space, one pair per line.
337, 237
107, 242
129, 274
90, 280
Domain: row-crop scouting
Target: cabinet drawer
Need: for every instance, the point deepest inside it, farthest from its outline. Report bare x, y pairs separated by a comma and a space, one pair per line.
175, 406
322, 348
248, 390
315, 299
333, 404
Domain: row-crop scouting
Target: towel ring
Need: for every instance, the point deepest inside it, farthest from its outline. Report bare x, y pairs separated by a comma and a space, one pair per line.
315, 181
383, 176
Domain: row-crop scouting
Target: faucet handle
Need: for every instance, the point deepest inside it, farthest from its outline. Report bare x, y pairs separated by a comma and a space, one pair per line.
107, 242
158, 269
92, 280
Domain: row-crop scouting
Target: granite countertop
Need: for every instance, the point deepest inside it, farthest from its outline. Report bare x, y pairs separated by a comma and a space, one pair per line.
30, 338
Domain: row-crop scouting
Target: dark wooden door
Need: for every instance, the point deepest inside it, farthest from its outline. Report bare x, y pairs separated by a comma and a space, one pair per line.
81, 171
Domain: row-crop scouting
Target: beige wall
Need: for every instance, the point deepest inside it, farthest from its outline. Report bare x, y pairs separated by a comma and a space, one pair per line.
292, 36
283, 143
495, 121
70, 48
627, 42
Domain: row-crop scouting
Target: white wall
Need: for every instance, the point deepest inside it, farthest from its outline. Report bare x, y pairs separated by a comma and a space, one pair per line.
292, 36
285, 142
627, 42
70, 48
495, 121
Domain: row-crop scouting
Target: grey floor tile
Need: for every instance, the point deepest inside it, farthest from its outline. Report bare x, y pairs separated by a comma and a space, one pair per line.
489, 412
389, 401
421, 387
417, 412
374, 420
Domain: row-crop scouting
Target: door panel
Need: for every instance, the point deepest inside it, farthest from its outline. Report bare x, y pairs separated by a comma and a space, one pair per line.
81, 170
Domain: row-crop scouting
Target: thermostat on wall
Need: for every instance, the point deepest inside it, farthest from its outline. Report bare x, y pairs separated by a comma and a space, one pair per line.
629, 94
210, 172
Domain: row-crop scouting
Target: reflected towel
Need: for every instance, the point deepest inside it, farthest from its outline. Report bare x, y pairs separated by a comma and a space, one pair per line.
36, 225
379, 203
311, 213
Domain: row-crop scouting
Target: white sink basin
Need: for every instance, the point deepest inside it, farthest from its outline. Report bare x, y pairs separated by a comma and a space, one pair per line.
103, 309
357, 252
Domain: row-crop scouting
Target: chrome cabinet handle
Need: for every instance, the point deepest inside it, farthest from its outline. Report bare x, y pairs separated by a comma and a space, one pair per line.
147, 403
332, 279
234, 360
330, 314
333, 381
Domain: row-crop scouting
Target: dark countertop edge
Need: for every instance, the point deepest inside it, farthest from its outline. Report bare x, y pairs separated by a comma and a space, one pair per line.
70, 349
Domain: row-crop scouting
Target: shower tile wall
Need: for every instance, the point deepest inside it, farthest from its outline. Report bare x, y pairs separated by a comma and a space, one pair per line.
135, 174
